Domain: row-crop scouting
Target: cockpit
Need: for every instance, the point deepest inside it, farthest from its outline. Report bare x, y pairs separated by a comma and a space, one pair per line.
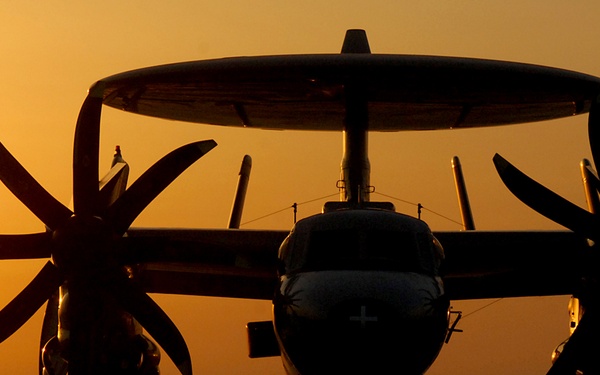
359, 292
361, 239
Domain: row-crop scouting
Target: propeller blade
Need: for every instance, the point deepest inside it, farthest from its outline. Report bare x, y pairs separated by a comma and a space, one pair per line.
43, 205
594, 130
26, 303
85, 153
133, 300
25, 246
133, 201
546, 202
581, 350
50, 324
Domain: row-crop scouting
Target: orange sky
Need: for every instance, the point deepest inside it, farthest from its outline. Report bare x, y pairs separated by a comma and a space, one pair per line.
52, 52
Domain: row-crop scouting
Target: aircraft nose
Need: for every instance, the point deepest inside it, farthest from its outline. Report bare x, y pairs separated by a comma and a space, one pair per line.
360, 321
361, 315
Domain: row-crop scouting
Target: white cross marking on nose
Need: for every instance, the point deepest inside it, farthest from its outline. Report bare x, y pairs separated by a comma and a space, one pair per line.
363, 318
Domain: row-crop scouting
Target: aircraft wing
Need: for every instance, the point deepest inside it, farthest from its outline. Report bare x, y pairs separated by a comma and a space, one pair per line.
511, 264
209, 262
243, 263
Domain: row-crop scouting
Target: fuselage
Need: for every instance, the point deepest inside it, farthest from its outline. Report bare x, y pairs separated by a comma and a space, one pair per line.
360, 292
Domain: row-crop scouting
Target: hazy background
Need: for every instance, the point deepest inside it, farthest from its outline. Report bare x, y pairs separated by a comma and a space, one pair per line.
52, 51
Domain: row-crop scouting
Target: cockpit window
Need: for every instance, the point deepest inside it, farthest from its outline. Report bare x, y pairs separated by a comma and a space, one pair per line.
369, 249
390, 245
328, 247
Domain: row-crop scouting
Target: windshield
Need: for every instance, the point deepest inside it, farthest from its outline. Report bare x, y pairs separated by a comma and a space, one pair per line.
370, 249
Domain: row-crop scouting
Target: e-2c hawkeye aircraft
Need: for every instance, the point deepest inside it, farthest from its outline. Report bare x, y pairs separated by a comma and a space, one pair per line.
358, 288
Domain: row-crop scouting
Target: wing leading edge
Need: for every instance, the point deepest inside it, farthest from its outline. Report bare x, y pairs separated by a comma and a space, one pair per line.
208, 262
511, 264
243, 263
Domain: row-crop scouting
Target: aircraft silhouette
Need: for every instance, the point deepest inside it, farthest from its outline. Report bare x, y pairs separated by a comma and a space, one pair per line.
357, 288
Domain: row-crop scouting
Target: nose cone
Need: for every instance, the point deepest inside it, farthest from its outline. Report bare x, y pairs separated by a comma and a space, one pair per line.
363, 336
370, 336
362, 316
386, 323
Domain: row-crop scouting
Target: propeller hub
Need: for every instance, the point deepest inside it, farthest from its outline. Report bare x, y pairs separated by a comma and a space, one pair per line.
82, 244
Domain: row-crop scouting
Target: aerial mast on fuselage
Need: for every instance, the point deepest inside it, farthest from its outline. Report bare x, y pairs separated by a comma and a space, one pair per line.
355, 167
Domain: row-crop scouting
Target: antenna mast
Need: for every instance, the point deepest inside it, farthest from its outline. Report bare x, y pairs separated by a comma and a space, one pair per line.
355, 167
